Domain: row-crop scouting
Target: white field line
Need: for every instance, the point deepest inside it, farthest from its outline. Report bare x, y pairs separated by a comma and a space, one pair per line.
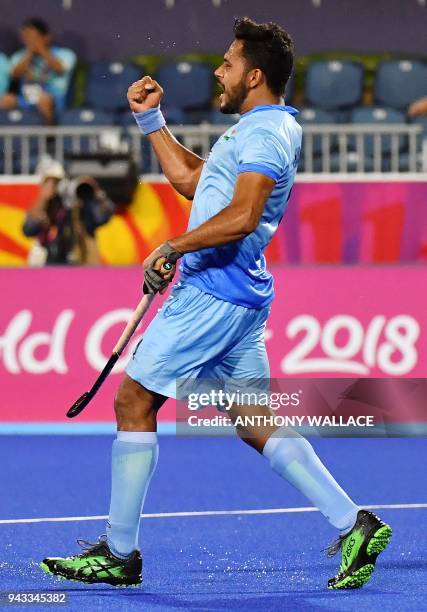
67, 519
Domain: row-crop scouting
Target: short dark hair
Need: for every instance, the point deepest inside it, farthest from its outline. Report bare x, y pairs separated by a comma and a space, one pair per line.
268, 47
38, 24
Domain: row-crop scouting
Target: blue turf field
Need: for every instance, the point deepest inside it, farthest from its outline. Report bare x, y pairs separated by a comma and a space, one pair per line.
215, 562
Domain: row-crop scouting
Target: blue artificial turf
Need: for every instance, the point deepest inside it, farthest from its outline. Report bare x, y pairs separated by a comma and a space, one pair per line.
232, 562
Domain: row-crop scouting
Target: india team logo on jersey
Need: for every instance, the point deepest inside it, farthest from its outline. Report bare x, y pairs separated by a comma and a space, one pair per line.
230, 133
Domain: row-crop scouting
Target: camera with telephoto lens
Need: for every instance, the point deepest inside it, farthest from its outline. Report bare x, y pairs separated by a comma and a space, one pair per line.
85, 192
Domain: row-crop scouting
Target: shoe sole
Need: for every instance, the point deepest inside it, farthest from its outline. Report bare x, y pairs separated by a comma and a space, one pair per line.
47, 570
378, 542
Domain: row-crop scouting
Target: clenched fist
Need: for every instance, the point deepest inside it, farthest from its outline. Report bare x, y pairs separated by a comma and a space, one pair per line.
144, 94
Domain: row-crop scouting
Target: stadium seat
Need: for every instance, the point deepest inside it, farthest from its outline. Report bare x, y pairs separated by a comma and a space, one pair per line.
421, 141
379, 116
398, 83
4, 73
187, 85
314, 116
17, 117
84, 118
107, 84
22, 118
422, 121
334, 85
376, 116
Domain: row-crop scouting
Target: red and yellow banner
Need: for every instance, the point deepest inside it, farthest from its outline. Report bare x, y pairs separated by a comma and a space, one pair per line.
326, 222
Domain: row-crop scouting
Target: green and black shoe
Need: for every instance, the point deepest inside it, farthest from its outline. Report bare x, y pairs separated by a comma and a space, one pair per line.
96, 564
359, 551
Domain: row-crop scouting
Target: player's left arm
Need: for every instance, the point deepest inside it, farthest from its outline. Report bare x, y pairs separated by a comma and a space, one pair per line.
231, 224
261, 163
234, 222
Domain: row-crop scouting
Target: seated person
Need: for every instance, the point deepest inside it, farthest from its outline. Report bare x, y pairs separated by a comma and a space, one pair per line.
42, 72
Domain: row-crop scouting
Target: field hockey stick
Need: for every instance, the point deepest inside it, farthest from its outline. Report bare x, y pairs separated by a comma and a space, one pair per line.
128, 332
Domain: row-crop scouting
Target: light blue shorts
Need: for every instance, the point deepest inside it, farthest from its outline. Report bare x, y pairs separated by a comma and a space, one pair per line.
198, 336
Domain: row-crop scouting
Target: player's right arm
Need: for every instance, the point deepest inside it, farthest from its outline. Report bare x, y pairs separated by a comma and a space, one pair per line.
181, 166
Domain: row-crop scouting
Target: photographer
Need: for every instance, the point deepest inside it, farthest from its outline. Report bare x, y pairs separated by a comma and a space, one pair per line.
64, 219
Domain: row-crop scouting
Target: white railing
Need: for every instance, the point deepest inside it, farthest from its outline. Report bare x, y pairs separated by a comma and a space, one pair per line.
326, 148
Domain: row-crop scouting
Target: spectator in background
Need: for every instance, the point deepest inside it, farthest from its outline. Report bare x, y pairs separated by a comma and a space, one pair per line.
64, 218
41, 71
417, 108
4, 73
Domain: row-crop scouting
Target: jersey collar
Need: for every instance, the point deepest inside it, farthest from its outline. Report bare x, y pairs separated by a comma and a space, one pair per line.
261, 107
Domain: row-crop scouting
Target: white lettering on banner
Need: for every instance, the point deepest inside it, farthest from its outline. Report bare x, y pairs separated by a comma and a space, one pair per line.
93, 344
25, 357
400, 335
14, 332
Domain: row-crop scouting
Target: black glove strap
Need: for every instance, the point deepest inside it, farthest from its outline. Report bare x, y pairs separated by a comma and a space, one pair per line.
169, 252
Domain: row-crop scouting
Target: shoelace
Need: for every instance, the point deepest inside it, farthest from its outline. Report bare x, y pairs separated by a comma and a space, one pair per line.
335, 546
85, 545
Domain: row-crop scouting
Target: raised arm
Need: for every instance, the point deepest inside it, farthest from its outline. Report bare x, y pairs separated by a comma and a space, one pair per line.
22, 66
181, 166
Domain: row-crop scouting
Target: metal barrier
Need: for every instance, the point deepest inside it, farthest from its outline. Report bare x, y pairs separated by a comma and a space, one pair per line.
326, 148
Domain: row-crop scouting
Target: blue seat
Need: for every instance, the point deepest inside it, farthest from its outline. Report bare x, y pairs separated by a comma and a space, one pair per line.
422, 121
398, 83
314, 116
84, 118
421, 138
21, 118
379, 116
187, 85
334, 85
18, 117
107, 84
4, 73
375, 116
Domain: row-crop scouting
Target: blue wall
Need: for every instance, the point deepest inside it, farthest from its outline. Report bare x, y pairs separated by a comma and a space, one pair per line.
108, 28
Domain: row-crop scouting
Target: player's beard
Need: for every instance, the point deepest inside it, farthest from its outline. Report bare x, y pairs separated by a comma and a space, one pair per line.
235, 98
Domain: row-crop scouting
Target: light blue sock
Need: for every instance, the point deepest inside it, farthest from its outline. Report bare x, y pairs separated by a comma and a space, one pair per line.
294, 458
133, 463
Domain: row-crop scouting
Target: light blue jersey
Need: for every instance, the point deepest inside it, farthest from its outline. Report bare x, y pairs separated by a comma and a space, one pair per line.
212, 325
267, 140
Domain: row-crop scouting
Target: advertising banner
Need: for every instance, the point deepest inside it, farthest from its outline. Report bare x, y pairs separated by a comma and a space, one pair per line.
326, 222
58, 327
